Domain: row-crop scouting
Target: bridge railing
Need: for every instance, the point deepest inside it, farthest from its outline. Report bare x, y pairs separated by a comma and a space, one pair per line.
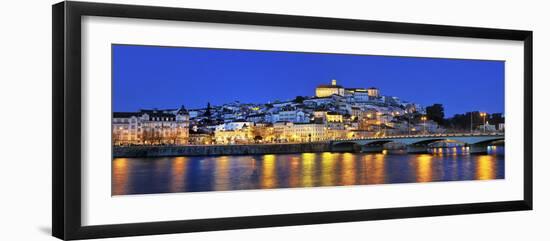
423, 136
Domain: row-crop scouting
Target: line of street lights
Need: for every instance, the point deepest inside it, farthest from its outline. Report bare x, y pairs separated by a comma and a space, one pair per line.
482, 114
425, 118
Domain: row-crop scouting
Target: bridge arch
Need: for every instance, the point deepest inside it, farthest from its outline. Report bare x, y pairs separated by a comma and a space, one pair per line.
480, 147
419, 144
378, 142
348, 146
487, 141
426, 142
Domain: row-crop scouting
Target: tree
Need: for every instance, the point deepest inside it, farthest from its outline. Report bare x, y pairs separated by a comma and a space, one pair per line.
208, 114
117, 138
470, 120
299, 99
258, 138
436, 113
157, 135
148, 136
461, 122
208, 111
496, 118
173, 136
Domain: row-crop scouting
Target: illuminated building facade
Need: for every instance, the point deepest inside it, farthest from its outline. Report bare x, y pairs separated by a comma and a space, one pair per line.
299, 132
334, 117
199, 136
373, 92
328, 90
240, 136
357, 94
295, 116
151, 127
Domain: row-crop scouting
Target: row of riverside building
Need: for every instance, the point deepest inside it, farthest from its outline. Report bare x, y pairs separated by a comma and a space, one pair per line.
150, 127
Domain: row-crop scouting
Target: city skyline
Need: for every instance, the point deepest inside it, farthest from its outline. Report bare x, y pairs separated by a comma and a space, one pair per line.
342, 132
167, 77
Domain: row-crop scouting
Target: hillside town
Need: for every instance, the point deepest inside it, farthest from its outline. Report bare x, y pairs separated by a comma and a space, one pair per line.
334, 112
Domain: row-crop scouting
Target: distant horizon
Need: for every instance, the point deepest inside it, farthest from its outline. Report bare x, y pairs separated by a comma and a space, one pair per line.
148, 77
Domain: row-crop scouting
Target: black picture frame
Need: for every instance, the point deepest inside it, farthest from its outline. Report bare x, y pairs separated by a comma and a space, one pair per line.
66, 164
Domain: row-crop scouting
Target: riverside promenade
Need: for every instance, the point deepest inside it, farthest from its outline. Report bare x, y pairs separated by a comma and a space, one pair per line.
217, 150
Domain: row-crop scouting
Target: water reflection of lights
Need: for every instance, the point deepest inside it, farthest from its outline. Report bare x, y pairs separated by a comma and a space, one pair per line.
294, 175
308, 168
374, 168
348, 169
179, 169
269, 175
221, 179
441, 151
327, 164
485, 167
424, 168
177, 174
120, 176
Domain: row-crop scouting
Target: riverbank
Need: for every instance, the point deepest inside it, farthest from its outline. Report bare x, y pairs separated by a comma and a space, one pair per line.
218, 150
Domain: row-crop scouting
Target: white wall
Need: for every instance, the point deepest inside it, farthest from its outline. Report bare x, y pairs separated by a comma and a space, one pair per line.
25, 95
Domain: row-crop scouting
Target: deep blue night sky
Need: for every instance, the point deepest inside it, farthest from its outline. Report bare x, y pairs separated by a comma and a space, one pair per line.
167, 77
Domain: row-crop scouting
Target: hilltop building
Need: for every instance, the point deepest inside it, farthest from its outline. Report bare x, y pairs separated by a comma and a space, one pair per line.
373, 92
328, 90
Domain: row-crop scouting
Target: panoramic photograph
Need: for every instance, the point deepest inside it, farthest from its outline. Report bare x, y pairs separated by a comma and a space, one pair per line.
189, 119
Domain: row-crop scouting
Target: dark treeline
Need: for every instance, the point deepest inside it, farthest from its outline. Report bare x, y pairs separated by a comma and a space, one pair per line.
465, 121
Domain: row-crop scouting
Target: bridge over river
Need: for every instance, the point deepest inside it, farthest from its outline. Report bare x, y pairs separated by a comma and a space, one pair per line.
477, 143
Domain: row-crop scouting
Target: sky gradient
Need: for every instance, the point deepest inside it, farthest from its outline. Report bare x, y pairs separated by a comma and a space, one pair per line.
168, 77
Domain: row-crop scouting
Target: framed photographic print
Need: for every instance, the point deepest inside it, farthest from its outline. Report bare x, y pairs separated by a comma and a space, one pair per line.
170, 120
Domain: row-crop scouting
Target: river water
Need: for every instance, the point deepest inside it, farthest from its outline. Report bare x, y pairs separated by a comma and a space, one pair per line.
221, 173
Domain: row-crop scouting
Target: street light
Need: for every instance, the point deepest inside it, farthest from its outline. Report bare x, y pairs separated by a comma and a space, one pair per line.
424, 118
483, 114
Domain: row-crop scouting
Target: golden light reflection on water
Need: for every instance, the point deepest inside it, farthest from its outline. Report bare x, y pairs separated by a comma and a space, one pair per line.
454, 169
348, 169
221, 181
120, 176
439, 151
181, 174
179, 169
379, 162
269, 172
327, 164
374, 168
486, 169
294, 175
308, 168
424, 168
